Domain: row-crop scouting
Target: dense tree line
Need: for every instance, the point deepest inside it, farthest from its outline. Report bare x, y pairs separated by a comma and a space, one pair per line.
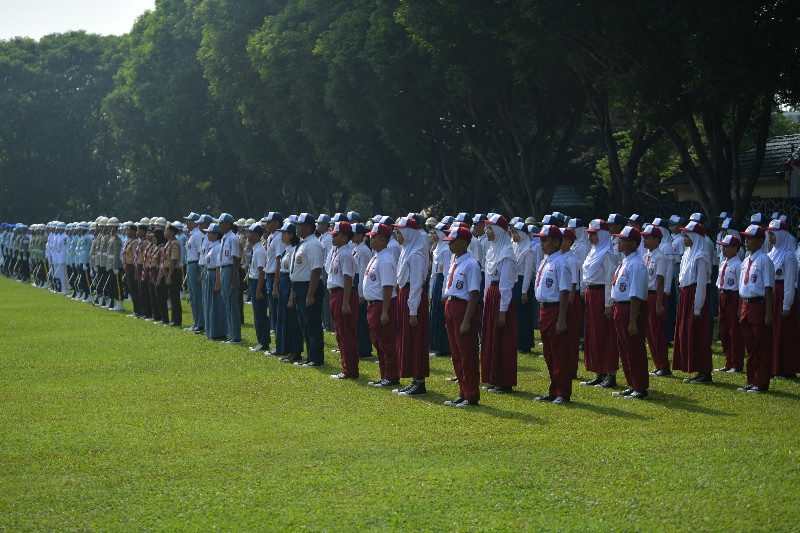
393, 105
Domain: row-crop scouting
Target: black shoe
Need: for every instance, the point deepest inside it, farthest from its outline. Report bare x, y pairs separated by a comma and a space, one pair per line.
467, 403
756, 390
487, 387
626, 392
723, 369
609, 383
416, 389
561, 400
200, 331
745, 388
500, 389
454, 402
452, 379
637, 395
664, 373
385, 383
403, 389
291, 358
702, 378
596, 381
365, 356
312, 364
545, 398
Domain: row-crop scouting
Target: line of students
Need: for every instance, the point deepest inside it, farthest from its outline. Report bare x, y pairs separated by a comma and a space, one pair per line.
487, 291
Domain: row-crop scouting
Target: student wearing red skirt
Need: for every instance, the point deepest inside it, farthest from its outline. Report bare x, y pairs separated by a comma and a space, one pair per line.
658, 269
378, 290
599, 353
692, 351
575, 314
499, 329
786, 328
730, 330
343, 299
413, 323
756, 283
629, 293
553, 285
461, 291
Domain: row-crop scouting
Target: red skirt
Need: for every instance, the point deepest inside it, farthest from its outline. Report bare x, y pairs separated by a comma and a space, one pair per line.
498, 345
412, 343
692, 348
600, 342
785, 332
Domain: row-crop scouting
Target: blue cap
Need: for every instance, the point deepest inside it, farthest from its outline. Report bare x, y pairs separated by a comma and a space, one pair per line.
273, 216
192, 216
479, 217
213, 228
614, 218
575, 223
549, 220
465, 218
359, 228
205, 219
724, 215
386, 220
658, 221
521, 226
698, 217
339, 217
305, 218
353, 216
323, 219
639, 219
226, 217
448, 220
288, 227
256, 228
677, 220
728, 223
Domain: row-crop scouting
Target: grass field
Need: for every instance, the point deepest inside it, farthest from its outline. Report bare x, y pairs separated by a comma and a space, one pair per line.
110, 423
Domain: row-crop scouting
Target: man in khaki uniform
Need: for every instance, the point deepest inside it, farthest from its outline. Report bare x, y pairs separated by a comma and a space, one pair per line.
172, 267
113, 264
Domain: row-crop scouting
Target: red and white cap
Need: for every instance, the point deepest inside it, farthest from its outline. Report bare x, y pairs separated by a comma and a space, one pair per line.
341, 226
461, 233
498, 220
569, 234
778, 225
548, 230
730, 240
630, 233
381, 229
406, 222
694, 227
754, 230
652, 230
597, 225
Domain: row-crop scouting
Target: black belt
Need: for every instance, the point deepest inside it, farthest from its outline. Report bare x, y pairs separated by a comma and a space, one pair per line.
494, 282
779, 281
757, 300
623, 303
652, 292
300, 282
455, 299
335, 289
192, 262
726, 291
284, 274
226, 266
373, 302
548, 304
595, 286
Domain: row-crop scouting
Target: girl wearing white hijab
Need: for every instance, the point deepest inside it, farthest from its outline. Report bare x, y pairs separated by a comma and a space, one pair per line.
499, 328
439, 344
692, 350
599, 353
413, 324
785, 325
523, 288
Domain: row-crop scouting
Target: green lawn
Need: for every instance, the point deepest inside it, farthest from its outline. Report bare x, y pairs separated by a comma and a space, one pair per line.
112, 423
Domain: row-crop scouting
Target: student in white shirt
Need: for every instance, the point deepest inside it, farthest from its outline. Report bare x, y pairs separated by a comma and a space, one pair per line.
362, 254
553, 284
756, 285
575, 313
193, 282
379, 292
659, 270
256, 275
229, 278
216, 321
439, 345
499, 325
524, 297
460, 294
730, 330
629, 293
344, 299
692, 350
288, 335
786, 328
308, 289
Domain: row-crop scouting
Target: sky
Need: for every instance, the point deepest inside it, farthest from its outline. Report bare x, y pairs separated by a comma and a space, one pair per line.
36, 18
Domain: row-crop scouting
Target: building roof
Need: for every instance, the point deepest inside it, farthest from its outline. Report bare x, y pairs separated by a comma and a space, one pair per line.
564, 196
778, 151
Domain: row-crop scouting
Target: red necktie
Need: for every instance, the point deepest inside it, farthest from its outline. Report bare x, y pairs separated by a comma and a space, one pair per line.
747, 274
539, 275
722, 279
452, 273
616, 274
369, 266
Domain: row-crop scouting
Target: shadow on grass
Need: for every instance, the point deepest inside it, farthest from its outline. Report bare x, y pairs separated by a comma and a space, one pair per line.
608, 411
674, 401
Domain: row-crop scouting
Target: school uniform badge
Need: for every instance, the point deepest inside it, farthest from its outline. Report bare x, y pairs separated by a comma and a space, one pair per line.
652, 270
753, 278
623, 287
779, 272
548, 282
730, 281
459, 284
299, 259
372, 276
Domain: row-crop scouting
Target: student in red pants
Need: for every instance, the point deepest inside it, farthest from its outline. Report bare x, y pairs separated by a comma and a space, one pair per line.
692, 351
378, 290
462, 287
730, 330
343, 299
756, 282
499, 328
413, 321
553, 284
575, 312
786, 329
659, 270
629, 293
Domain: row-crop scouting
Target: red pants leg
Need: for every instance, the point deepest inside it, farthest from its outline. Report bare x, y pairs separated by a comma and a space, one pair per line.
730, 330
464, 348
383, 338
656, 338
344, 327
557, 352
758, 339
632, 348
